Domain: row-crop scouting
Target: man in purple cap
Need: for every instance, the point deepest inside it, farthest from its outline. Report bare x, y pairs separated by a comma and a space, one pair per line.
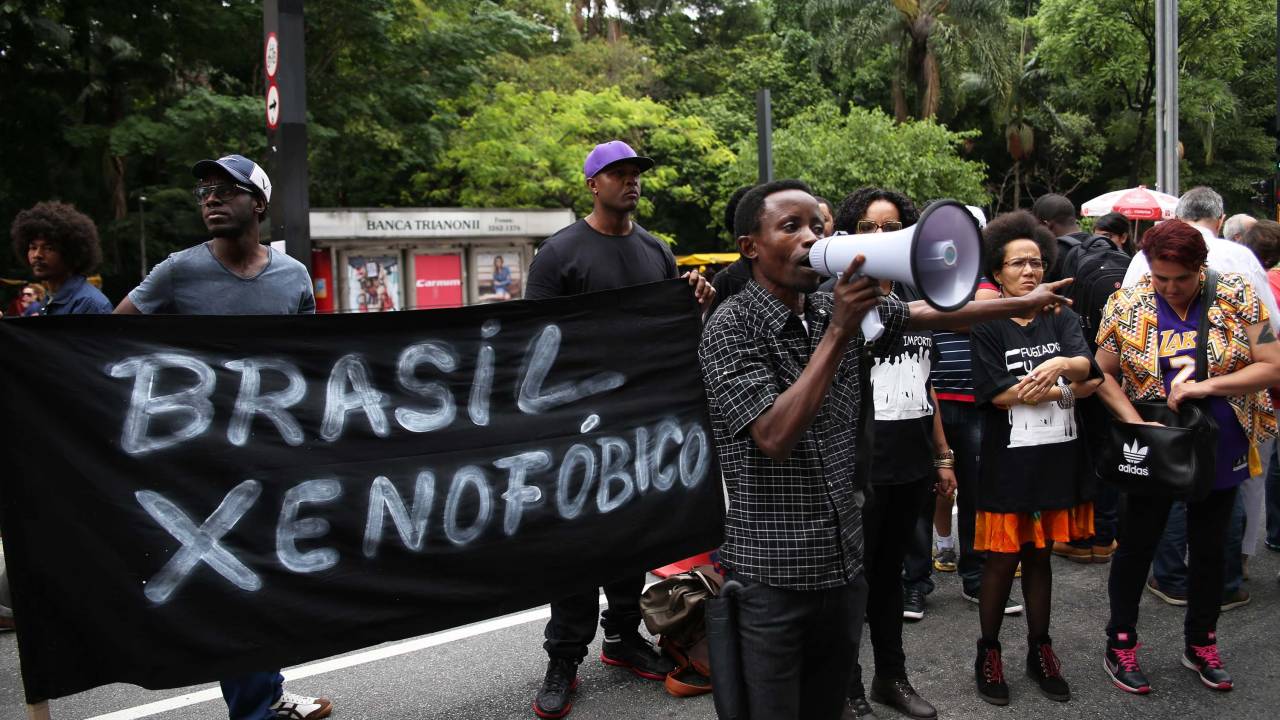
603, 251
235, 274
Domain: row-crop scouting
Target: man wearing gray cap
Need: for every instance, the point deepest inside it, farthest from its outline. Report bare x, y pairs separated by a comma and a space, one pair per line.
234, 274
603, 251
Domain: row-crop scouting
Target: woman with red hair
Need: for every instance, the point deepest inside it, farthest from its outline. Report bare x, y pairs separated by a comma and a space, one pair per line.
1147, 341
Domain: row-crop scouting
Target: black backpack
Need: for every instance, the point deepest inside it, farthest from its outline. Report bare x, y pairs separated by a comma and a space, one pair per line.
1099, 269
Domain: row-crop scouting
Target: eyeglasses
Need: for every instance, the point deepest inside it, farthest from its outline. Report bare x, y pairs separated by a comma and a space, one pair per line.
870, 226
222, 191
1020, 263
28, 293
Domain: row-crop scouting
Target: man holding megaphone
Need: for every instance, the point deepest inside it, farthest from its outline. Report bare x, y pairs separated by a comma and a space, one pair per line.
781, 365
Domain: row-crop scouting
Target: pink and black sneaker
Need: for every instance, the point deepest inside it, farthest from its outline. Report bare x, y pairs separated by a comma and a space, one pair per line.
1205, 661
1121, 664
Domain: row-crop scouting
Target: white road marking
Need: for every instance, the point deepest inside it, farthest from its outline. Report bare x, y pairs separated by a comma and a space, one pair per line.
341, 663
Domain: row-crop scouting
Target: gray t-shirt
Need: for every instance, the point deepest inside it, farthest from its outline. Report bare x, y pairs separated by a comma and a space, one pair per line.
193, 282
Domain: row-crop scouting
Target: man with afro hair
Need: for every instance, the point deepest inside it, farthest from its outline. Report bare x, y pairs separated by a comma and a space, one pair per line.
60, 244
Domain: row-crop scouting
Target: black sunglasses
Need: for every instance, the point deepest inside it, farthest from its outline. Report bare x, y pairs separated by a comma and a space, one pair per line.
222, 191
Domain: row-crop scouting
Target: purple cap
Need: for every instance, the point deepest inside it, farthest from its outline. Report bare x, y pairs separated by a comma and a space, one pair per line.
614, 151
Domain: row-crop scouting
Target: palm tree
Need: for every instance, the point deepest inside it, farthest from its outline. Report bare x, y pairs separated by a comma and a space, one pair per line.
925, 33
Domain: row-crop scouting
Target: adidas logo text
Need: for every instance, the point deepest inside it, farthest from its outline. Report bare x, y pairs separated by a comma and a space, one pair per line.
1133, 470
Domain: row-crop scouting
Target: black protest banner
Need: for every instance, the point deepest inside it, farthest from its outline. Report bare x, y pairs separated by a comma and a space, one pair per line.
189, 498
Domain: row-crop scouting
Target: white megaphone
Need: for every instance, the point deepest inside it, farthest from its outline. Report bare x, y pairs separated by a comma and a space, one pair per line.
940, 256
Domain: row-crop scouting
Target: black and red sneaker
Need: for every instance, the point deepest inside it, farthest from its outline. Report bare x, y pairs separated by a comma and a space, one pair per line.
637, 655
1043, 667
1205, 661
988, 671
1121, 664
552, 700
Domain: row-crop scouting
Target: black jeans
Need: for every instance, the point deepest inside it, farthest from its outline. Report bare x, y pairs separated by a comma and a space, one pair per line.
798, 648
572, 626
962, 424
888, 523
1142, 521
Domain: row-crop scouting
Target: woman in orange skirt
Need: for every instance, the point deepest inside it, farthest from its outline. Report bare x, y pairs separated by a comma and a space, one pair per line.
1027, 372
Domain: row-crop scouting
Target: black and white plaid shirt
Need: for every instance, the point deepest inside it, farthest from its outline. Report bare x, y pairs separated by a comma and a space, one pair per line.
795, 524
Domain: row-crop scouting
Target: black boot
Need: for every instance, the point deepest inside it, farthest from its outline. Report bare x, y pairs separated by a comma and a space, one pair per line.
988, 670
1044, 668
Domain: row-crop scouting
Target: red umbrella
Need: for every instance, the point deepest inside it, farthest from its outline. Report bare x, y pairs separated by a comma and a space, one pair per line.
1135, 203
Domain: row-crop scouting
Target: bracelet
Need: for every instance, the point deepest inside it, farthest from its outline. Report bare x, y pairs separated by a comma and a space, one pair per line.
945, 459
1068, 400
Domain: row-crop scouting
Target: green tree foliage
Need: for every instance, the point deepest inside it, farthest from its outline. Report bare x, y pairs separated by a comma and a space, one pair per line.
1101, 54
930, 39
499, 159
838, 153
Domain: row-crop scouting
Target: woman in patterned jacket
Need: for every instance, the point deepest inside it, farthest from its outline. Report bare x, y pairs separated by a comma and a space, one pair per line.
1148, 340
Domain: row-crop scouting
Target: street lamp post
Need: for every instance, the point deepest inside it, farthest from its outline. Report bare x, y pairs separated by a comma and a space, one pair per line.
142, 236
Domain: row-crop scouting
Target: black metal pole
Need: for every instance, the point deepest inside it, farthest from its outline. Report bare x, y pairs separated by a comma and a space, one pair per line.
287, 141
764, 134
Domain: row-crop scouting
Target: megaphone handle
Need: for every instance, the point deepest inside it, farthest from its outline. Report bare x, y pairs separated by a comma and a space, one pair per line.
872, 328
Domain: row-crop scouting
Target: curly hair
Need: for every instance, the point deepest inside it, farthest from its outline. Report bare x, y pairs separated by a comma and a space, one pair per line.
1016, 225
854, 207
70, 231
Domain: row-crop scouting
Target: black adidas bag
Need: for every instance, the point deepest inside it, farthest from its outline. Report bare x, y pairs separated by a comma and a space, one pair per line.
1099, 269
1177, 460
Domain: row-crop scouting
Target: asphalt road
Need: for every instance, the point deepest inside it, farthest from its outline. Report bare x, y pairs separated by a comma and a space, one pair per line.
494, 674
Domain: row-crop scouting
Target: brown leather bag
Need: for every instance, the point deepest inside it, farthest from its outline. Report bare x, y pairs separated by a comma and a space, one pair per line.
675, 608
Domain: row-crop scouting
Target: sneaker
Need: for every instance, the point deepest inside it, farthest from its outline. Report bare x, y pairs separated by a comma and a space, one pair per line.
1173, 598
988, 671
552, 700
1010, 606
1239, 598
1073, 553
1103, 553
1121, 664
858, 709
1272, 545
300, 707
1044, 668
1205, 661
945, 560
637, 655
912, 604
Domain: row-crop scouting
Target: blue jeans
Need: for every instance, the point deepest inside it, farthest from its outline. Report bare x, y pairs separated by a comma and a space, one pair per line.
250, 696
1169, 565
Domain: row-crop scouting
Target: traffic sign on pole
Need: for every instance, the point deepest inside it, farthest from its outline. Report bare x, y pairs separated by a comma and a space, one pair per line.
273, 106
271, 55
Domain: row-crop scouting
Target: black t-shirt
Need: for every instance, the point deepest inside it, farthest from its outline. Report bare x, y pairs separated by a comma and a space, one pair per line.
903, 410
730, 281
580, 260
1032, 456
